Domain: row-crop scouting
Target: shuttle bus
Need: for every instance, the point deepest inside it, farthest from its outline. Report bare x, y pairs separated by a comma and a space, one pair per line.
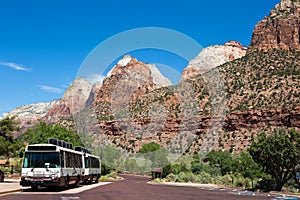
57, 164
91, 165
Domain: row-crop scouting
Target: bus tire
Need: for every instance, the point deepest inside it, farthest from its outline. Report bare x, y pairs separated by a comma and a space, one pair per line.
34, 187
85, 181
77, 181
90, 181
97, 179
67, 181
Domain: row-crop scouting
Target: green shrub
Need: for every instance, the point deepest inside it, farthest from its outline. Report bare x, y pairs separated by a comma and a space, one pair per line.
266, 184
187, 177
108, 177
103, 178
226, 179
171, 178
177, 168
204, 177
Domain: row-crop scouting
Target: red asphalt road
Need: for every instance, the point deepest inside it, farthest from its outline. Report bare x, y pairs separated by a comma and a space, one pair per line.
137, 188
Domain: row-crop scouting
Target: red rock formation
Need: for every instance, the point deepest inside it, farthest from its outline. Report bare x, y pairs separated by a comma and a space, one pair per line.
127, 81
279, 30
262, 118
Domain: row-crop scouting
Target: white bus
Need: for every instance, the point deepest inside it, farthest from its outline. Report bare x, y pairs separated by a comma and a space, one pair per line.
91, 166
57, 164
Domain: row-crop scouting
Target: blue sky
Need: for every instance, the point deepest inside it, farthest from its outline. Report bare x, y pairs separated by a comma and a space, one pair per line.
43, 43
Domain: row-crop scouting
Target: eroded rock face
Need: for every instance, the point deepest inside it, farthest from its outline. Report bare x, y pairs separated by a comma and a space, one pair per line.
60, 111
128, 80
279, 30
32, 114
77, 95
212, 57
73, 100
263, 118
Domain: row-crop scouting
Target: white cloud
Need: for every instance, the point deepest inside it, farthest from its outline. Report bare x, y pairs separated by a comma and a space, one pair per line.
51, 89
14, 66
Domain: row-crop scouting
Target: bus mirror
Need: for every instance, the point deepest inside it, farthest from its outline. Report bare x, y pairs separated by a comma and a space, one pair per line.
21, 154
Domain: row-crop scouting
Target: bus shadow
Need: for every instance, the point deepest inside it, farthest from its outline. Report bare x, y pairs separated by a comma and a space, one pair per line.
49, 189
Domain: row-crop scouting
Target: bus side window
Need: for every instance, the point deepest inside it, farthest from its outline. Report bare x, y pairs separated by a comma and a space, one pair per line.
95, 163
73, 160
68, 160
86, 162
62, 159
25, 163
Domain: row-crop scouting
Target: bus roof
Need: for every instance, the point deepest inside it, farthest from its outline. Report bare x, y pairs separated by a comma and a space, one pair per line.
48, 147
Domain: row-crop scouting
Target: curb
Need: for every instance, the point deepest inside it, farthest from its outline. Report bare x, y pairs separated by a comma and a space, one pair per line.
10, 191
285, 194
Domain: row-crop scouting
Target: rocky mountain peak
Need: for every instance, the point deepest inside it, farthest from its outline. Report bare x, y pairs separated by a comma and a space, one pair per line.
126, 60
127, 80
77, 94
139, 70
286, 7
31, 114
212, 57
279, 30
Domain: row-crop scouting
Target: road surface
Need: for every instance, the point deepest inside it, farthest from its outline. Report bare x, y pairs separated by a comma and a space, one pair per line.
133, 188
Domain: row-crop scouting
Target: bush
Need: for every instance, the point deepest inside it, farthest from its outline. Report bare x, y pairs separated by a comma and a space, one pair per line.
187, 177
105, 169
112, 176
266, 184
108, 177
177, 168
103, 178
198, 167
171, 178
204, 177
239, 181
226, 179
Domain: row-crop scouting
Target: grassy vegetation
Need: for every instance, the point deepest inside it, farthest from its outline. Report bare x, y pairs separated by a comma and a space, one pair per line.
108, 177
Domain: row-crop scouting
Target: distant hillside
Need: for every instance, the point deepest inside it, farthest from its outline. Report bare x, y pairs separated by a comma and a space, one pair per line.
261, 91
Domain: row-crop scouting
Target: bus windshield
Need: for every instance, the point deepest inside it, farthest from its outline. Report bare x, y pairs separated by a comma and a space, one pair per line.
41, 160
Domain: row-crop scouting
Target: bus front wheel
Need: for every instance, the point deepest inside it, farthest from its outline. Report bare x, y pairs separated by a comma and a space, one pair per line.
34, 187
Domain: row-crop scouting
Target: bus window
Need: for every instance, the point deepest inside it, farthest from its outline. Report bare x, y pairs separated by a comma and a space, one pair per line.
41, 159
62, 159
94, 162
86, 162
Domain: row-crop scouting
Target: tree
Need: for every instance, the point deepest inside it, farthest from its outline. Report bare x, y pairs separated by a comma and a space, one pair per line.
246, 166
8, 145
156, 154
41, 132
222, 160
278, 154
7, 127
199, 166
149, 147
110, 155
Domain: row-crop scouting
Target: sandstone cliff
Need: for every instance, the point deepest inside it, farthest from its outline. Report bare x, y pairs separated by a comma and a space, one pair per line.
212, 57
30, 115
279, 30
126, 82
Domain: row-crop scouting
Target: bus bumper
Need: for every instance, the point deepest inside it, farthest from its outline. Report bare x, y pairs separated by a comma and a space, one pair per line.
40, 183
